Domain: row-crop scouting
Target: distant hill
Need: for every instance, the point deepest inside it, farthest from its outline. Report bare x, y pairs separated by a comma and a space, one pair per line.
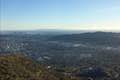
95, 38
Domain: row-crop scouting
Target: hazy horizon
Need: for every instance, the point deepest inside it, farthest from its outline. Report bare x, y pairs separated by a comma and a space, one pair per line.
96, 15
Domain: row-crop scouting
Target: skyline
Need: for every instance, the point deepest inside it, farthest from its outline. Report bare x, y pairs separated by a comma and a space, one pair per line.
103, 15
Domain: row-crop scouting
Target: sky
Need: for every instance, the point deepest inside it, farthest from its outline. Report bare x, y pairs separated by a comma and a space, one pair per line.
60, 14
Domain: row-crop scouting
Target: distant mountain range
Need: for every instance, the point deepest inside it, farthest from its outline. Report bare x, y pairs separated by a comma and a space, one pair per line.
94, 38
45, 32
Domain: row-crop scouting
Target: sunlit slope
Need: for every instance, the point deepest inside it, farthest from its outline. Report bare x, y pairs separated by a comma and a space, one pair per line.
16, 67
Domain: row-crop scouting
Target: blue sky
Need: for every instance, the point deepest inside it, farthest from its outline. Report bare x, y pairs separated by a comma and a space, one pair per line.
60, 14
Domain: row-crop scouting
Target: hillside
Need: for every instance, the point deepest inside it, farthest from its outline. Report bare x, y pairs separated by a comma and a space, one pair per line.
17, 67
95, 38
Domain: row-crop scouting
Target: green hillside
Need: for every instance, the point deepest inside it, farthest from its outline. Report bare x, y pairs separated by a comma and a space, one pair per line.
17, 67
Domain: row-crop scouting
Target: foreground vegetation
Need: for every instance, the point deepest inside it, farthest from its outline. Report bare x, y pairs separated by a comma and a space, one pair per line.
17, 67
